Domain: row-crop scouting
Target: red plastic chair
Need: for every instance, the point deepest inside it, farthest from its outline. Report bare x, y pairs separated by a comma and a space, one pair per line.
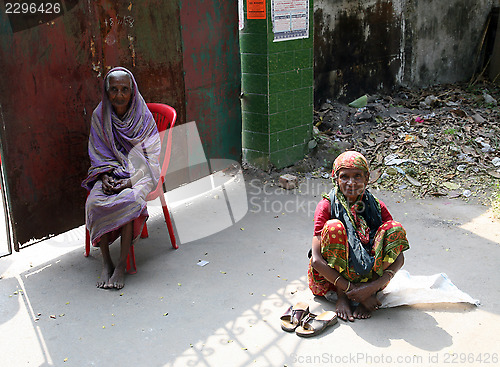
164, 117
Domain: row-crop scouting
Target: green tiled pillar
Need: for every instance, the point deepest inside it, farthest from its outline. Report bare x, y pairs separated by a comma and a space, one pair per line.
277, 85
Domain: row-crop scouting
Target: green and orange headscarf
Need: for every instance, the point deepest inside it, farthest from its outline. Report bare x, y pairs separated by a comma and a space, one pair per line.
350, 159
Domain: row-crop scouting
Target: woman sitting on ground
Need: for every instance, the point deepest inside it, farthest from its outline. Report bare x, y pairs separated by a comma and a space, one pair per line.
124, 146
357, 247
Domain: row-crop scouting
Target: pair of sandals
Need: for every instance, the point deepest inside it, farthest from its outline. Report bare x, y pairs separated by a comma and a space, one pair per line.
298, 318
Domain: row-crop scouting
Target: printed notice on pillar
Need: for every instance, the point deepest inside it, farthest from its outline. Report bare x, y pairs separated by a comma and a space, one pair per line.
256, 9
290, 19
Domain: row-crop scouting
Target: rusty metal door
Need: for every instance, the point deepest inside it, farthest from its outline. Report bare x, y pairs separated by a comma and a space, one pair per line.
212, 74
51, 68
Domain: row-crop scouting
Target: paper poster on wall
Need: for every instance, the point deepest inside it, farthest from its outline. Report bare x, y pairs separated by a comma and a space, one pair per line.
241, 16
290, 19
256, 9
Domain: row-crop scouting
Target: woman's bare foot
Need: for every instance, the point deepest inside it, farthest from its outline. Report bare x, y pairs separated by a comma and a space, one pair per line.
364, 310
361, 312
107, 271
117, 280
343, 308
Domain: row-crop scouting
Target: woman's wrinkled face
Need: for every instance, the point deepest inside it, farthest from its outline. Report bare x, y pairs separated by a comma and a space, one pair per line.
120, 93
352, 182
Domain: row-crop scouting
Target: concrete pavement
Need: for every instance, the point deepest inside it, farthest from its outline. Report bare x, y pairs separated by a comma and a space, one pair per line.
174, 312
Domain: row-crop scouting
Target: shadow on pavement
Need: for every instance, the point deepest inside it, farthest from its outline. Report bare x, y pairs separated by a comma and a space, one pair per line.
176, 313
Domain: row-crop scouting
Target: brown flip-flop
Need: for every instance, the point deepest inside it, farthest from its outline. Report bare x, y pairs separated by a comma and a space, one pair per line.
315, 324
293, 316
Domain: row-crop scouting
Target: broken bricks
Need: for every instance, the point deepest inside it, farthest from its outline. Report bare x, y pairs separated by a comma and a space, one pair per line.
288, 181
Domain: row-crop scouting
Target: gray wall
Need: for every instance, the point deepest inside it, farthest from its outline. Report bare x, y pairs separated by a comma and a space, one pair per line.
365, 46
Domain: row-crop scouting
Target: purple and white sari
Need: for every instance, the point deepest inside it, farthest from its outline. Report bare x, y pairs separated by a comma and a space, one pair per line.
119, 147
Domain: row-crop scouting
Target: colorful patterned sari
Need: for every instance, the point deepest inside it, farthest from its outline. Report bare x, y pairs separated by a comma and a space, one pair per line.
388, 242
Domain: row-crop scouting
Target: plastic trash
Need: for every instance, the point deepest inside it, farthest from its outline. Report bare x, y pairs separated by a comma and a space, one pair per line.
400, 170
487, 148
392, 159
489, 99
360, 102
465, 157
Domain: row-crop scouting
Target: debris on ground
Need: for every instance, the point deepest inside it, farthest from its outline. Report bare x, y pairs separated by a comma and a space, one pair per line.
439, 141
288, 181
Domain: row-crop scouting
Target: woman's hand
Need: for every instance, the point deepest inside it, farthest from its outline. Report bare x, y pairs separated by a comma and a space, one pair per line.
371, 303
111, 186
124, 183
360, 292
108, 184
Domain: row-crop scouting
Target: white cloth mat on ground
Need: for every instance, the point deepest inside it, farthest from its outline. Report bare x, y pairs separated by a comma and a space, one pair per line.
406, 289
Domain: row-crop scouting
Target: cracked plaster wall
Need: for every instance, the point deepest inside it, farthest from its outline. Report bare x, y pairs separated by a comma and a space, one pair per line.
375, 45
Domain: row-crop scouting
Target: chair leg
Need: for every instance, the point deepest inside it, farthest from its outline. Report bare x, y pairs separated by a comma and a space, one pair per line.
87, 243
166, 214
144, 233
131, 267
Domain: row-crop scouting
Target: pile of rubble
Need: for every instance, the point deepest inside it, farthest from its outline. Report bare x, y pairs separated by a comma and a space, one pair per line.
441, 141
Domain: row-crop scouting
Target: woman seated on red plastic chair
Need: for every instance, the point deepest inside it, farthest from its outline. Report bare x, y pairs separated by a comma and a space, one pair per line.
124, 147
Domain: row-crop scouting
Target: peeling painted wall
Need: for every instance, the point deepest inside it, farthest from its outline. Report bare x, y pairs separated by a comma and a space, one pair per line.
446, 38
369, 45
